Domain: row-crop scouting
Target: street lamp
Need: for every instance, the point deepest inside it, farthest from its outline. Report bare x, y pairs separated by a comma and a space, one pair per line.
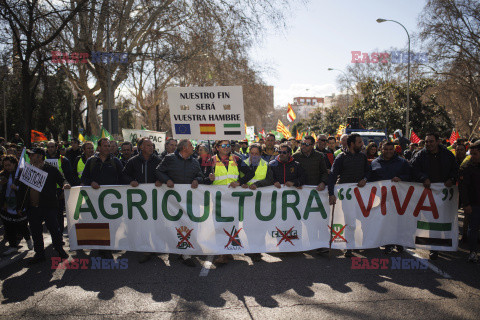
331, 69
408, 76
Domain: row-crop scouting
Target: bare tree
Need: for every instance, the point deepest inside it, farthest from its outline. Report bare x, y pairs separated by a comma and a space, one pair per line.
32, 26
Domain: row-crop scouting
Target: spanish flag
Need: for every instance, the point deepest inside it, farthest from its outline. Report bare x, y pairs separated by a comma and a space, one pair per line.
290, 114
97, 234
207, 128
283, 130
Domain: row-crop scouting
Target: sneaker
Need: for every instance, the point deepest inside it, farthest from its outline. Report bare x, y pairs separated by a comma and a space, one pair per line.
433, 255
472, 257
10, 251
62, 254
348, 253
30, 244
37, 258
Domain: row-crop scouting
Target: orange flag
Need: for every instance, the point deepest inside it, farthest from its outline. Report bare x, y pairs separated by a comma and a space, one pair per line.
37, 136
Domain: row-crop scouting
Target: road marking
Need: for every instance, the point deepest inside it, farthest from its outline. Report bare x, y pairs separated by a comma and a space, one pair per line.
428, 264
206, 267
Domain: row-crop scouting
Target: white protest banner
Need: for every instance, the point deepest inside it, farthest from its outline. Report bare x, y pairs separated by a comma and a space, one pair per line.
52, 162
207, 113
217, 219
158, 138
33, 177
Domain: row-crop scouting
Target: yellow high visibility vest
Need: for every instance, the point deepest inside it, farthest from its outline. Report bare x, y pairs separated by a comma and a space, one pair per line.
80, 167
222, 176
260, 172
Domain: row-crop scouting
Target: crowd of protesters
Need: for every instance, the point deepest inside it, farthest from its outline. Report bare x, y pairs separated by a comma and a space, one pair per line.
321, 162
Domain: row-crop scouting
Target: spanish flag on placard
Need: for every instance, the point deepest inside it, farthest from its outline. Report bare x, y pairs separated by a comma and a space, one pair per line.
291, 116
97, 234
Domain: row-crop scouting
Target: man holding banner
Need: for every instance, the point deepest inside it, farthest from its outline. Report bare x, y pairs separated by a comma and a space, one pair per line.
350, 166
42, 205
434, 163
181, 167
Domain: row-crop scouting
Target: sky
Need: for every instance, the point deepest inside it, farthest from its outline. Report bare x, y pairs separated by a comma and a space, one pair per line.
321, 34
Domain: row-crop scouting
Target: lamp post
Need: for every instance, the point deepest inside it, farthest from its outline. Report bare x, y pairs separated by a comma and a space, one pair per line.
331, 69
408, 75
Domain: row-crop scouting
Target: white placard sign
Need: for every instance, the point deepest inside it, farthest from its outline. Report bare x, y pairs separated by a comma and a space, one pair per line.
211, 113
33, 177
157, 137
52, 162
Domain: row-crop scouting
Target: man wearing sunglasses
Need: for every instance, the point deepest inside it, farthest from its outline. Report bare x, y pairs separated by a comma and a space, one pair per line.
312, 162
226, 171
286, 170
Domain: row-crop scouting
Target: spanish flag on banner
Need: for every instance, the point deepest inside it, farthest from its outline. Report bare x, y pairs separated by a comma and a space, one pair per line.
340, 129
37, 136
97, 234
291, 116
283, 130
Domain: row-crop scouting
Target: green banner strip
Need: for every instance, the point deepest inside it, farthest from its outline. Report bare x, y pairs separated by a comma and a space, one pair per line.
231, 125
434, 226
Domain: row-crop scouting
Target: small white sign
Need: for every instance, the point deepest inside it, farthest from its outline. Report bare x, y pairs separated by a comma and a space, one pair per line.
52, 162
207, 113
157, 138
33, 177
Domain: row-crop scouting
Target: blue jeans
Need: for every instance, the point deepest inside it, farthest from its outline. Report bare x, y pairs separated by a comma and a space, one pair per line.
473, 228
36, 216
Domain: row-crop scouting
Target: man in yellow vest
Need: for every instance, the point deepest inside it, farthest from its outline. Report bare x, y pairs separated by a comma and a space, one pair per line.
88, 151
226, 171
263, 173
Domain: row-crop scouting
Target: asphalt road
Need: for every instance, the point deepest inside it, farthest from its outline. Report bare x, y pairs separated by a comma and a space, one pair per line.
291, 286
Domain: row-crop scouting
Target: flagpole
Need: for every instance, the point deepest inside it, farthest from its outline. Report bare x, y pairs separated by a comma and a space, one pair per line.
331, 232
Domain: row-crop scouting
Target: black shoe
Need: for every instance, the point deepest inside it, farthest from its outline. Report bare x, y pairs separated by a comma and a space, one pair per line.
105, 254
388, 249
37, 258
189, 262
256, 257
400, 249
323, 251
62, 254
348, 253
433, 255
144, 258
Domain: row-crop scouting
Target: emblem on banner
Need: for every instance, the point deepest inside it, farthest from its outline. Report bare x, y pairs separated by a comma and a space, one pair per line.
184, 234
234, 242
285, 235
338, 232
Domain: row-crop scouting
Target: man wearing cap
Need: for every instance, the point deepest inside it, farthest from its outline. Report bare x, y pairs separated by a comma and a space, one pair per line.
43, 206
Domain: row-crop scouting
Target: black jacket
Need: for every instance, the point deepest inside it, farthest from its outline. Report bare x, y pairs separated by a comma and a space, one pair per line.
287, 171
103, 173
420, 165
469, 185
182, 171
141, 170
48, 196
72, 154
